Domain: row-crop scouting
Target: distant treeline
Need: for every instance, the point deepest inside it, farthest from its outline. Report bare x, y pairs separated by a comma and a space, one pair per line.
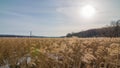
110, 31
21, 36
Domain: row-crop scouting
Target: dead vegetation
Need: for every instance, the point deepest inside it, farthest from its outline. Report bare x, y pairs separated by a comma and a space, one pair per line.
59, 52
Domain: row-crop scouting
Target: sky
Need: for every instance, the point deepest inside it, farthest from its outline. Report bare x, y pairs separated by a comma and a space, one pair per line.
54, 17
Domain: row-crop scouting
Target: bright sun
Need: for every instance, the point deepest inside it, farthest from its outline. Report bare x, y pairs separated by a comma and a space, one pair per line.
88, 11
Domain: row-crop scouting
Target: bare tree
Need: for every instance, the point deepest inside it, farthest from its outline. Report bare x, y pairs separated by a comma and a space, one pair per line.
116, 28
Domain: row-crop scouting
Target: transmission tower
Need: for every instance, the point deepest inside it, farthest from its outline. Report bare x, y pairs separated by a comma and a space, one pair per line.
30, 33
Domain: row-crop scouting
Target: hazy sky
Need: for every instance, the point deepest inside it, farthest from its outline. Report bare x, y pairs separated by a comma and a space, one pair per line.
54, 17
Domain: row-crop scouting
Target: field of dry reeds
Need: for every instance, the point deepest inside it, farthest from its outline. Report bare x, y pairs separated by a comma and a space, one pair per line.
59, 52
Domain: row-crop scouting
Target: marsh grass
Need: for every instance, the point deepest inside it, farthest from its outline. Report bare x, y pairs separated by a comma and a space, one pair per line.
61, 52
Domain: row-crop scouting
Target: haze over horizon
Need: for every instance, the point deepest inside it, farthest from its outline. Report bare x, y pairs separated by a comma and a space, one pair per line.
55, 17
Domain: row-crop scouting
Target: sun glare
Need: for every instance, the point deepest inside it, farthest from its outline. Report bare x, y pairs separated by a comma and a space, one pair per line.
88, 11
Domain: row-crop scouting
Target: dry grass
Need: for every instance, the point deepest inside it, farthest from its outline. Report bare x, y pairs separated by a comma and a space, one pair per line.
60, 52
